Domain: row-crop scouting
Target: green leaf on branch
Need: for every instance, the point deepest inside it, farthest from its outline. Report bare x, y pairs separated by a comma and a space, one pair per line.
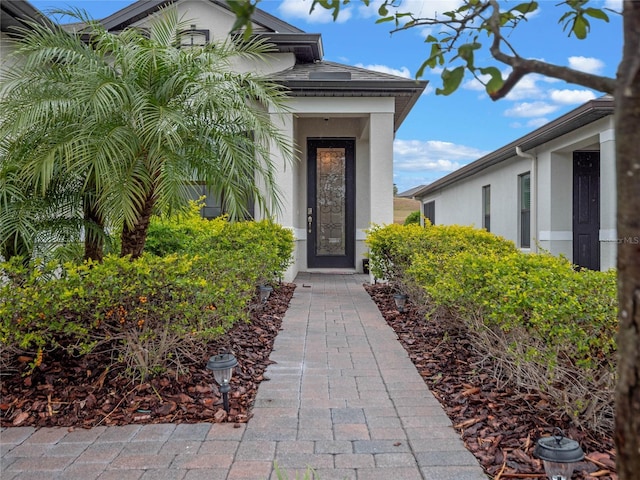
435, 58
525, 8
597, 13
328, 5
451, 80
496, 81
580, 27
385, 19
243, 11
422, 68
466, 53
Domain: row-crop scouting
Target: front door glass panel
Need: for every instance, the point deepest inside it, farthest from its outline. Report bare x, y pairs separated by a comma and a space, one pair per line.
330, 190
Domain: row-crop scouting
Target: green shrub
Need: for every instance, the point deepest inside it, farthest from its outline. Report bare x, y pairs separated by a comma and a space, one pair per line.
182, 233
413, 217
157, 312
267, 244
154, 311
393, 249
547, 325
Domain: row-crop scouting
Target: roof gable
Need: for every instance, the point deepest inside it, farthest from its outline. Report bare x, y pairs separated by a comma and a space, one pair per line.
127, 16
286, 37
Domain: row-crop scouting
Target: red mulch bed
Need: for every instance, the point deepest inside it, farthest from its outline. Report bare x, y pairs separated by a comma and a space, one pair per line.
499, 424
80, 392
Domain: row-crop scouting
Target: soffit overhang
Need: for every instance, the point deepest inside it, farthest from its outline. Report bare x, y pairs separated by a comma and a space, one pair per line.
18, 14
307, 47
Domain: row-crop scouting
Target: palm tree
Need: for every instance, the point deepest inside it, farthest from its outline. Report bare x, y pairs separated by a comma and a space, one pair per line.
138, 118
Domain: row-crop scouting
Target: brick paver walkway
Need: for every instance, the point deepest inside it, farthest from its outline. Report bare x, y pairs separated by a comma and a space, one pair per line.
343, 398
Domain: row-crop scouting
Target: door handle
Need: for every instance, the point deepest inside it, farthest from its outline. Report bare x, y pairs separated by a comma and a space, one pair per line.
309, 219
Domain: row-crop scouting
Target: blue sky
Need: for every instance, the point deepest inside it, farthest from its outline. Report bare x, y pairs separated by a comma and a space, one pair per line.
441, 133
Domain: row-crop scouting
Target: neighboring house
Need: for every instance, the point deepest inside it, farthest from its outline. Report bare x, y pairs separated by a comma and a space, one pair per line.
342, 120
411, 192
553, 189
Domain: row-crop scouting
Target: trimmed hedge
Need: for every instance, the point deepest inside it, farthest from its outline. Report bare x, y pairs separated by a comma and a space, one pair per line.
157, 312
548, 325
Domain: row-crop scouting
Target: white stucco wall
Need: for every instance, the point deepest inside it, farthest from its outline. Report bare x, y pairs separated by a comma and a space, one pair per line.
461, 203
343, 117
551, 193
219, 21
368, 120
6, 49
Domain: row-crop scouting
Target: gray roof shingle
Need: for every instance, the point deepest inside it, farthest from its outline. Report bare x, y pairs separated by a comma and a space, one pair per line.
330, 79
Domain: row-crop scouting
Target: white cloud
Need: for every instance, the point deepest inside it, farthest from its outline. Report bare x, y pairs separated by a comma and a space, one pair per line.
586, 64
401, 72
613, 5
474, 84
530, 109
419, 162
526, 88
369, 11
428, 90
422, 8
571, 97
537, 122
434, 155
300, 9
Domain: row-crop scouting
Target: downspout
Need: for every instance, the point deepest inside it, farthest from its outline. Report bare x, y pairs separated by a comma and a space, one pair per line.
534, 195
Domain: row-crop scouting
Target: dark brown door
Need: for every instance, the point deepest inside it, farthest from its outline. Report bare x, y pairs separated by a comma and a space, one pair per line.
331, 203
586, 209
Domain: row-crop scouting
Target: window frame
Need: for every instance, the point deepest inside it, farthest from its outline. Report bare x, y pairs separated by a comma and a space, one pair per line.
429, 211
486, 207
524, 210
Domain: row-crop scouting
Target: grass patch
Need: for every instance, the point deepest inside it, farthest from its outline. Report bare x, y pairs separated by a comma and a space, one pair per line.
403, 207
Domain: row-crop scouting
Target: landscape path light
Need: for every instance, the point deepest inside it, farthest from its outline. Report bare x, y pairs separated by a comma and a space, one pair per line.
222, 367
401, 300
265, 291
559, 455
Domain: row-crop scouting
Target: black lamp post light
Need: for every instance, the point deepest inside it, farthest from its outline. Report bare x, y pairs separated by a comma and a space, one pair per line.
559, 455
401, 301
222, 366
265, 292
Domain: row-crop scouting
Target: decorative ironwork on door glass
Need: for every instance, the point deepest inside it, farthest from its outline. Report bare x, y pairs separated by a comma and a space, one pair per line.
330, 194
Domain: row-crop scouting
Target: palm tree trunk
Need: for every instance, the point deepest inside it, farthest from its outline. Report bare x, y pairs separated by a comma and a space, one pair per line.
627, 403
16, 246
134, 237
94, 230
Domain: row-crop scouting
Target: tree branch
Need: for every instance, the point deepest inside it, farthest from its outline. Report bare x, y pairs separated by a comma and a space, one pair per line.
522, 66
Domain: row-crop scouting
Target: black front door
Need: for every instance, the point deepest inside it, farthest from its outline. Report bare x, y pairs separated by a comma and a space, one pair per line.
586, 209
331, 203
